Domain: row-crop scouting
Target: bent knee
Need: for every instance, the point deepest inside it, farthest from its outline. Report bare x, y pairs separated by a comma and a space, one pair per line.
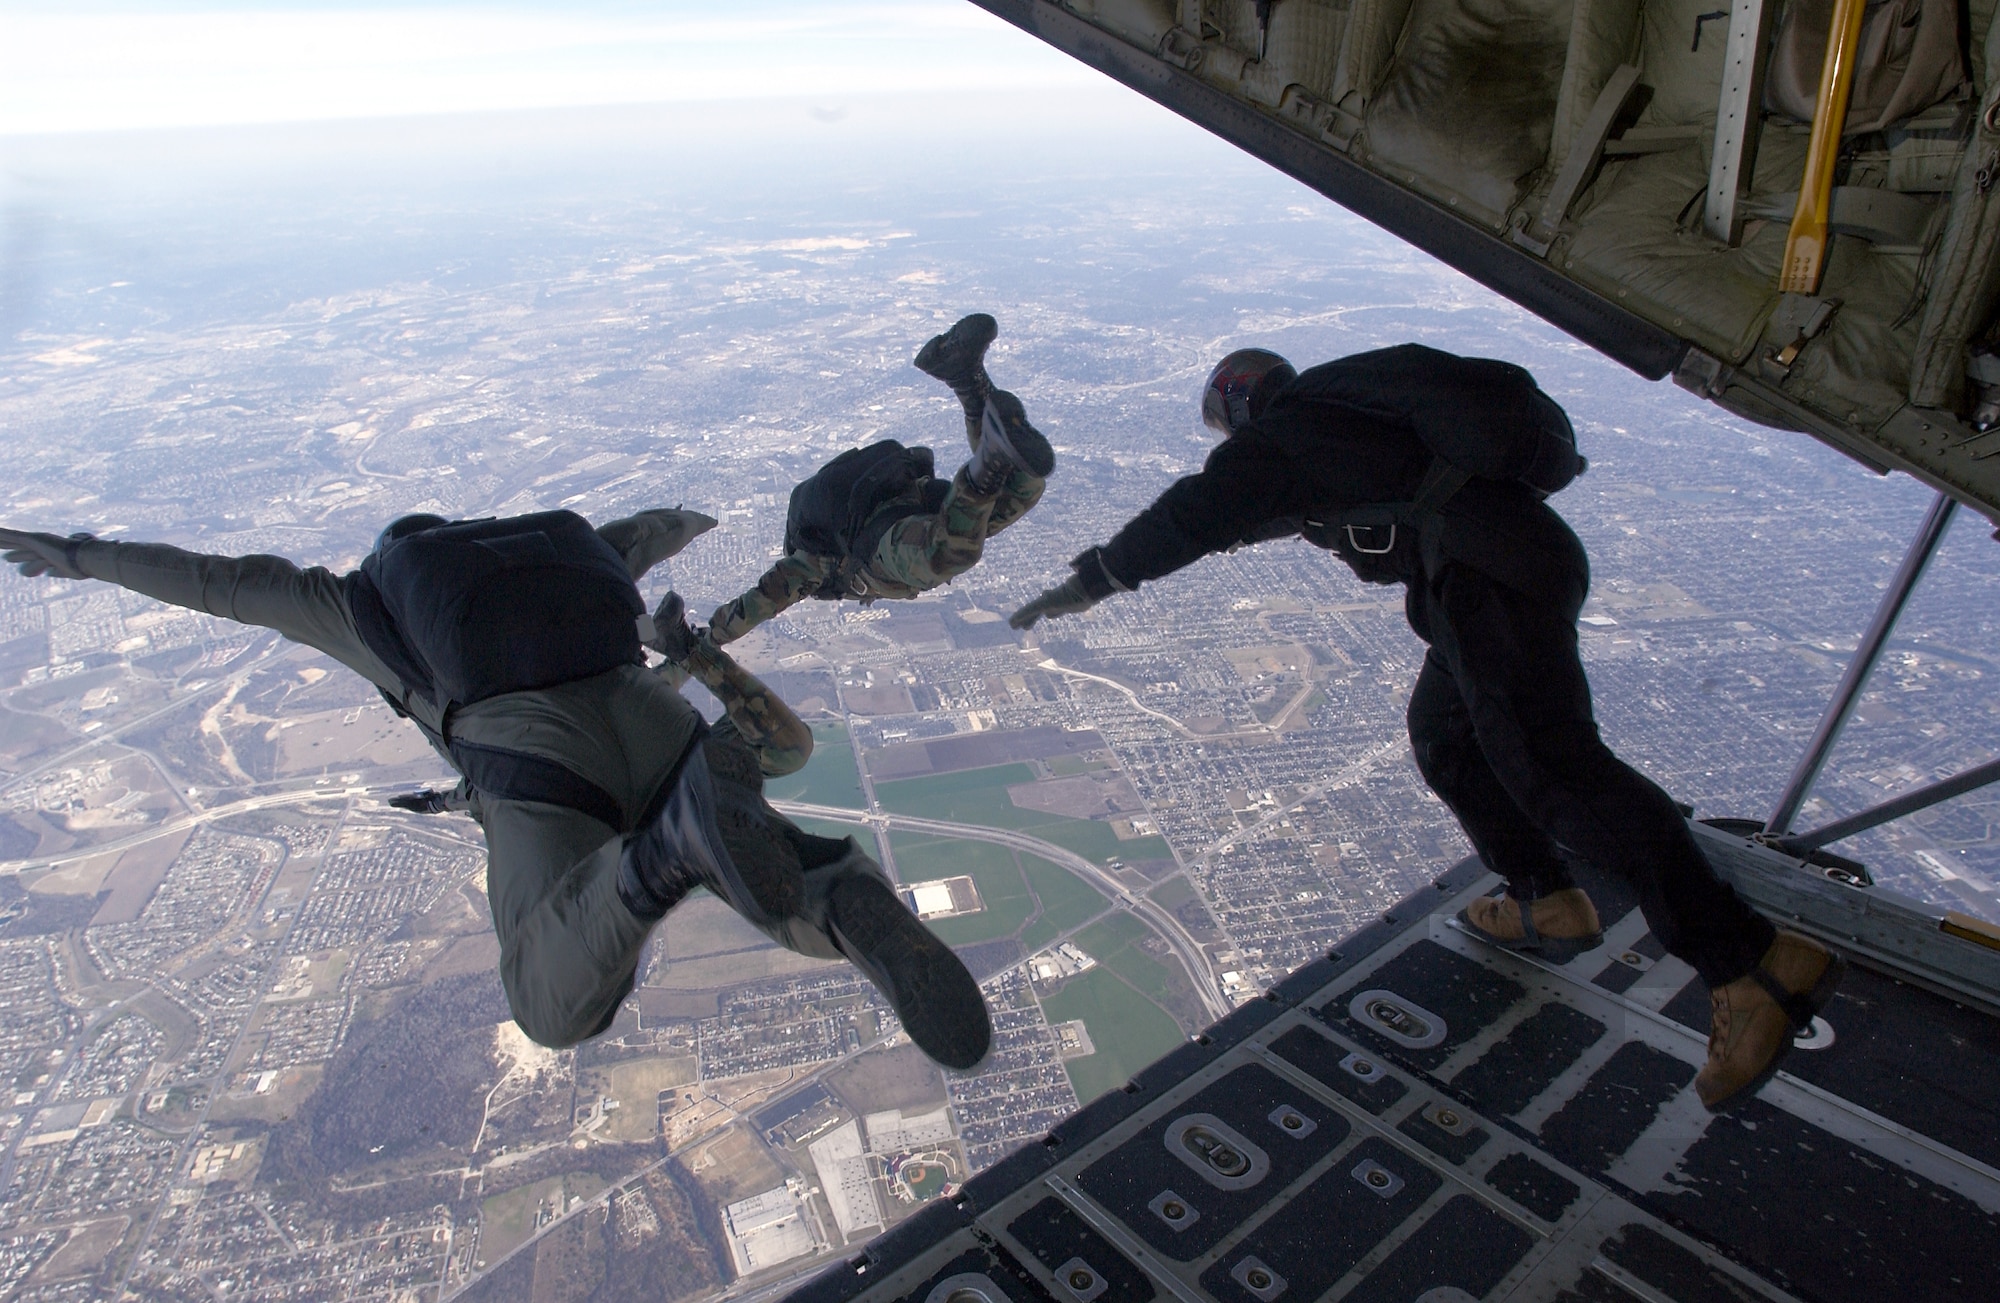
778, 759
551, 1030
557, 1019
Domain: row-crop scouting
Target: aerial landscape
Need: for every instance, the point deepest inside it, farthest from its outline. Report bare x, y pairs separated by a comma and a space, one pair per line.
252, 1044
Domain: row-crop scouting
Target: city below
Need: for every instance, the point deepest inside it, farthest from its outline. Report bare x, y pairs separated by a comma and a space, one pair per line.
252, 1040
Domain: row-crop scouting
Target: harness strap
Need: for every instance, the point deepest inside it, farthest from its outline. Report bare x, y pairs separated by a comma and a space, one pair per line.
1363, 525
1798, 1006
1436, 488
519, 776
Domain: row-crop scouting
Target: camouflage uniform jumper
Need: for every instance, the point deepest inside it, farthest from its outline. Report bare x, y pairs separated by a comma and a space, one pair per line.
917, 554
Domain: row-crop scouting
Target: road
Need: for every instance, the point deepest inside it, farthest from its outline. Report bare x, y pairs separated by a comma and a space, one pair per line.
153, 832
1201, 974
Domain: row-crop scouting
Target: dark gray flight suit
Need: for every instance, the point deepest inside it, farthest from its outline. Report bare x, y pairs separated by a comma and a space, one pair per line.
569, 945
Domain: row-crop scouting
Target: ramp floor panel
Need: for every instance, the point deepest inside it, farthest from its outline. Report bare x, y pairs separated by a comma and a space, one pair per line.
1426, 1117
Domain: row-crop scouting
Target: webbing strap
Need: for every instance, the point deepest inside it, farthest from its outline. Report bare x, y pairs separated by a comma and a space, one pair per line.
1798, 1006
518, 776
1436, 488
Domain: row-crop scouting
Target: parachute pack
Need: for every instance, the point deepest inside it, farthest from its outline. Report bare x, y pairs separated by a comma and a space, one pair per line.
475, 608
472, 609
834, 512
1480, 416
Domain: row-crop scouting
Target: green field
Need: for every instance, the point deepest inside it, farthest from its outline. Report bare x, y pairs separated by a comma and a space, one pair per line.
1004, 892
1067, 900
507, 1220
1174, 893
1114, 943
980, 796
1009, 886
1038, 934
1128, 1030
835, 829
829, 778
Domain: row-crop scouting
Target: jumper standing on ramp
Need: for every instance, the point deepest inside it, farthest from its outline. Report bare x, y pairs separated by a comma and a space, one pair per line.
1425, 469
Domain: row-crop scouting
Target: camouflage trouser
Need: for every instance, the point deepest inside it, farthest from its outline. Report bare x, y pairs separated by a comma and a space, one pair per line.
760, 716
920, 553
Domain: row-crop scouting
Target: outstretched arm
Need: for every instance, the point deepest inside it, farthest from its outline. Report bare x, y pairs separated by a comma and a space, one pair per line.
786, 584
305, 605
760, 716
780, 738
1244, 485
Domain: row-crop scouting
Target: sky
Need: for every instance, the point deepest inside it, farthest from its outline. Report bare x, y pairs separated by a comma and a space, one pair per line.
81, 66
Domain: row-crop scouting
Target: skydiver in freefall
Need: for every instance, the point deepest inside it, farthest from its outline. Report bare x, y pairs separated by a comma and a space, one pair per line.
1425, 469
875, 522
515, 646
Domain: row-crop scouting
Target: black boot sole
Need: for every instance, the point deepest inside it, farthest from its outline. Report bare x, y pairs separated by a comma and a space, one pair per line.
956, 356
1005, 422
763, 871
933, 995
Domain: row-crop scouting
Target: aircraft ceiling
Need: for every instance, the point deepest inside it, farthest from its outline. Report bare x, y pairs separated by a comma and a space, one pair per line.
1564, 154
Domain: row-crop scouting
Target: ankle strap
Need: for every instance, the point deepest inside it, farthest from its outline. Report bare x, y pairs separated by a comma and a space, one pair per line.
1796, 1004
1526, 908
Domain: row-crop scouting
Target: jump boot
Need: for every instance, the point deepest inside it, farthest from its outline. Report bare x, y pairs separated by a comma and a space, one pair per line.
934, 996
958, 357
715, 829
1752, 1020
1007, 444
1558, 927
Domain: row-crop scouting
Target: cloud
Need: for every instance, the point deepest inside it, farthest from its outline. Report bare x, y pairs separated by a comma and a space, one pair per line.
80, 68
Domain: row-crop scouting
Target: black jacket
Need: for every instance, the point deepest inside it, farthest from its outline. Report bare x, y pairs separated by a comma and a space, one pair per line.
1344, 435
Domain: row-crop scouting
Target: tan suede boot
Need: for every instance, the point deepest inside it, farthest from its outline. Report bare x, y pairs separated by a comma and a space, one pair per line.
1752, 1020
1558, 927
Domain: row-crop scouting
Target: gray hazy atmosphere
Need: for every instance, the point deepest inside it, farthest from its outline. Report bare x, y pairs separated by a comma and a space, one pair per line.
251, 1040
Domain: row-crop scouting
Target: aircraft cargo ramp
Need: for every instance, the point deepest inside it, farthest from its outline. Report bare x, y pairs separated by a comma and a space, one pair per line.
1421, 1118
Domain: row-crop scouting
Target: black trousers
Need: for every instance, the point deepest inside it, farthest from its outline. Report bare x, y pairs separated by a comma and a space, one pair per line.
1502, 727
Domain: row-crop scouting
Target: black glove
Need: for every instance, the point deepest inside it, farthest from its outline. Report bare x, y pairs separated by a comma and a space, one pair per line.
1066, 598
1091, 584
43, 554
428, 801
672, 637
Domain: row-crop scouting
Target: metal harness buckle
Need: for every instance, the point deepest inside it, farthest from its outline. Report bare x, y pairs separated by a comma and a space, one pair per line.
1355, 543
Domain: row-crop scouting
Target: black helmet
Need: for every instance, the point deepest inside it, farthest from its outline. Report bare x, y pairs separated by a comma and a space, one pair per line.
1239, 387
404, 526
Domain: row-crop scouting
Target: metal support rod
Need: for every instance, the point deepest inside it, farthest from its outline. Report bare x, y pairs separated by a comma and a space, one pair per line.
1908, 803
1869, 650
1738, 116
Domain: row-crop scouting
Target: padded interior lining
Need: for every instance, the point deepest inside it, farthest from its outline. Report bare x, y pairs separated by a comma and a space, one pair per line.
1602, 35
1305, 41
1467, 108
1628, 246
1685, 81
1373, 27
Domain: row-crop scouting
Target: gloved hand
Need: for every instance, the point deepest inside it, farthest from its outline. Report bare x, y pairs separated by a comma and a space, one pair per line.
652, 536
672, 636
428, 801
42, 554
1066, 598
